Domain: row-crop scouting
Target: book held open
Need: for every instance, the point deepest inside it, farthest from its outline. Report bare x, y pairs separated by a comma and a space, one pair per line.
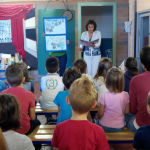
84, 43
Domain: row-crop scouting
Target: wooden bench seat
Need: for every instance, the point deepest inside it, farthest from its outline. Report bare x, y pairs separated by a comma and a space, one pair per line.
43, 135
125, 136
40, 111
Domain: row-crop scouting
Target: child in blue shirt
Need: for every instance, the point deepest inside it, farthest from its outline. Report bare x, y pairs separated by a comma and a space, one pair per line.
64, 110
2, 85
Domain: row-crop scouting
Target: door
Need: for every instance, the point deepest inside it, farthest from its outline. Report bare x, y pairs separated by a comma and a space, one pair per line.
143, 33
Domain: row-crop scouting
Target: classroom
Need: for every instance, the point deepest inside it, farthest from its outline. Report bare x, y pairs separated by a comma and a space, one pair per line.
50, 47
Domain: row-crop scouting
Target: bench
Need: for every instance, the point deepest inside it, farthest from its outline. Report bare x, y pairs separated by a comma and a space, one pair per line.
43, 135
40, 111
124, 136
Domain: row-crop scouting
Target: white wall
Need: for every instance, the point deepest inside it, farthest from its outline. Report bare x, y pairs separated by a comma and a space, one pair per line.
143, 5
103, 17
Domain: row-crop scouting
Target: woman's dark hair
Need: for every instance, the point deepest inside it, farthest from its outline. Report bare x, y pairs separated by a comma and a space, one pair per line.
131, 65
9, 112
90, 22
80, 65
24, 68
104, 65
70, 75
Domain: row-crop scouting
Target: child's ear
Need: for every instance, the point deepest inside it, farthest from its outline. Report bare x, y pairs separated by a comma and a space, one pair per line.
67, 100
148, 109
23, 79
95, 103
144, 68
58, 69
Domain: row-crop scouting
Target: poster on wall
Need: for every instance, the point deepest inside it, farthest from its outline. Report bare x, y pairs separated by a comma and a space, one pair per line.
5, 31
56, 35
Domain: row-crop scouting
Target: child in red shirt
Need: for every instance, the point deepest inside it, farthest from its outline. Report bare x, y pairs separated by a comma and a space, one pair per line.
79, 133
26, 99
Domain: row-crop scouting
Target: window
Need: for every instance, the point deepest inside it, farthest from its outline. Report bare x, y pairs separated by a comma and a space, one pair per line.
5, 31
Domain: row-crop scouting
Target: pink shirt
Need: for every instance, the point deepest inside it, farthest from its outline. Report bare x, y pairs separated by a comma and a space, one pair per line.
115, 104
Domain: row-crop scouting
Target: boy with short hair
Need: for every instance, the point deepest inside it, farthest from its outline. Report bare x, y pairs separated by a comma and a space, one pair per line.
77, 132
142, 136
51, 84
26, 99
139, 88
64, 110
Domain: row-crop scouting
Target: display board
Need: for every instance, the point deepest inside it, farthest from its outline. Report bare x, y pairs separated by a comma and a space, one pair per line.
56, 35
42, 54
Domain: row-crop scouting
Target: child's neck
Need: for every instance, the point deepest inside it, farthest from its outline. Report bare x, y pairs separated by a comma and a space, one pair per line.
21, 85
77, 116
53, 73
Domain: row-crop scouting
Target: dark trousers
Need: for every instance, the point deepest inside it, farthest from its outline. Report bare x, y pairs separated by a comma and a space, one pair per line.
33, 125
62, 63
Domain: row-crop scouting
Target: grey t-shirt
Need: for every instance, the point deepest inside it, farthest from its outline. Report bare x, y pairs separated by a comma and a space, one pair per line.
16, 141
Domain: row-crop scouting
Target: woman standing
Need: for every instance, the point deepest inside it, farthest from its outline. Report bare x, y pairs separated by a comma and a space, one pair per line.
90, 42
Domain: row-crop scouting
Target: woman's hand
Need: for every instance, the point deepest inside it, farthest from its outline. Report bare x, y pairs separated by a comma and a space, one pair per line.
81, 49
90, 44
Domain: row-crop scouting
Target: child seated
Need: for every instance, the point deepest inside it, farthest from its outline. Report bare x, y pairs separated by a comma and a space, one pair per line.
3, 144
51, 84
131, 70
99, 80
142, 136
9, 121
114, 103
2, 85
81, 66
26, 99
64, 110
28, 84
77, 132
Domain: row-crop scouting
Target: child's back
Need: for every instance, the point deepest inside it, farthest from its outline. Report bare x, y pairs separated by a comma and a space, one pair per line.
115, 103
26, 101
26, 98
51, 84
142, 135
131, 71
2, 85
64, 109
99, 79
79, 134
10, 121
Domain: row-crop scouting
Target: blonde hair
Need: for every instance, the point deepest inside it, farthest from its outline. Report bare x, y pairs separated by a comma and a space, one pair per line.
115, 80
82, 94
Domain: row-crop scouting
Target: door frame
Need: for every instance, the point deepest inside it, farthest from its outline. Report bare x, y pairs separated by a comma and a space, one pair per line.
114, 6
139, 34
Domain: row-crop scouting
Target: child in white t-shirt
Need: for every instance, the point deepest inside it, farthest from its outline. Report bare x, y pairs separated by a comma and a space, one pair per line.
51, 84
